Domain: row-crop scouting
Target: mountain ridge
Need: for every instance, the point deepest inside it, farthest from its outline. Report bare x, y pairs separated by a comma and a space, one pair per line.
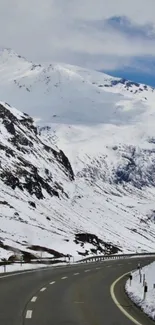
61, 85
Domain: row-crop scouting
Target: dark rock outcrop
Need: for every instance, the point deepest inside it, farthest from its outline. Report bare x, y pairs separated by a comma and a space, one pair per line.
24, 141
100, 246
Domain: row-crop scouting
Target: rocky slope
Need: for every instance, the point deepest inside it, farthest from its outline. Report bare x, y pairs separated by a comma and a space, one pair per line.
35, 180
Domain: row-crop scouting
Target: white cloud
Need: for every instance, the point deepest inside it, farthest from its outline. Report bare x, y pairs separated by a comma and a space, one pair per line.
65, 30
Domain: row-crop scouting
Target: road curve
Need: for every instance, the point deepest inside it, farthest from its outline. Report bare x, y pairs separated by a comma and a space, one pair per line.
71, 295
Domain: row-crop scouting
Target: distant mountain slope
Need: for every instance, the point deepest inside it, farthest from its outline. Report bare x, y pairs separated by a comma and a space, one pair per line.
67, 94
94, 195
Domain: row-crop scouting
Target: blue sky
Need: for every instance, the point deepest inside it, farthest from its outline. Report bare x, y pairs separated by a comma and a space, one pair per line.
142, 68
115, 36
139, 77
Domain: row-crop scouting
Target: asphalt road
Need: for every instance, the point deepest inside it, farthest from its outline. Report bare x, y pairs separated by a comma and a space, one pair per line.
72, 295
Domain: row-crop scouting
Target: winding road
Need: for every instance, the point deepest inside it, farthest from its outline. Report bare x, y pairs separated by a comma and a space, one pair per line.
84, 294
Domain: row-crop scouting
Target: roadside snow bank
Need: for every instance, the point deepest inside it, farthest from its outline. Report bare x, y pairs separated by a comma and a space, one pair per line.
136, 290
23, 267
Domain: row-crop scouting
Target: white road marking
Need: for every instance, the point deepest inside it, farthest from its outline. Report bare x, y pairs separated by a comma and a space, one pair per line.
120, 264
97, 268
24, 272
34, 299
43, 289
76, 273
108, 265
87, 270
28, 314
112, 292
64, 277
52, 282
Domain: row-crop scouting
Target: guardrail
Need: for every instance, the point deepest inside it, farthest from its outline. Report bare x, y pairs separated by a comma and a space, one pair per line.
4, 265
99, 258
56, 261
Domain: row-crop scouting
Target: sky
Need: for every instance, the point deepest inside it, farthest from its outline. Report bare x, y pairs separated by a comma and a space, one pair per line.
114, 36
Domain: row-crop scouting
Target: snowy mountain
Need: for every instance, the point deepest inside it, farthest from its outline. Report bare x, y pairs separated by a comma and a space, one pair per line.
67, 94
95, 193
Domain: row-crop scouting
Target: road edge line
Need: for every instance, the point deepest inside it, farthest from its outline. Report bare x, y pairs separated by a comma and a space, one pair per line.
112, 293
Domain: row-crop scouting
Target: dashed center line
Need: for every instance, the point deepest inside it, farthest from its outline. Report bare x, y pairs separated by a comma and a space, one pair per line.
87, 270
109, 265
43, 289
97, 268
28, 314
64, 277
76, 273
52, 282
34, 299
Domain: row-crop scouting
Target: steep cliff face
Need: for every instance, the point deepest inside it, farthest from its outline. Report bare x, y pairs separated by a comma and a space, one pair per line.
30, 171
27, 161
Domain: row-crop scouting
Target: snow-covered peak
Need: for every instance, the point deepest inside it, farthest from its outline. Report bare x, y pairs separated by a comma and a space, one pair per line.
7, 55
63, 93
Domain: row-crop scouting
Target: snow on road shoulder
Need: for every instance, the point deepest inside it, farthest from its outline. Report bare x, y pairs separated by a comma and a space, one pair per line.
136, 290
32, 266
23, 267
